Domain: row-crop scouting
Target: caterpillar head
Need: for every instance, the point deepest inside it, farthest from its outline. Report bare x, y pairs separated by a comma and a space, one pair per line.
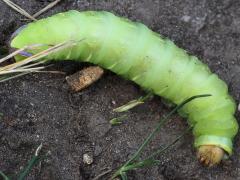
30, 38
210, 155
22, 54
17, 32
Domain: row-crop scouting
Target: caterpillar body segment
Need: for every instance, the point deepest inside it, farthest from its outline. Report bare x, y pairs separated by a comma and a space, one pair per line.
155, 63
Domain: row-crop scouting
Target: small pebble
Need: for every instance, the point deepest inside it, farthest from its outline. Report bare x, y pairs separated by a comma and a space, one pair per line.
186, 18
87, 159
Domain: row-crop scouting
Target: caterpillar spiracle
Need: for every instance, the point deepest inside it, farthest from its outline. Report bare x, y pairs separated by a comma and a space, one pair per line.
135, 52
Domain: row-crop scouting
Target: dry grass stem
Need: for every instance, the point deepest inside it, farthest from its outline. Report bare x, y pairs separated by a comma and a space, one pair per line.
49, 6
13, 54
26, 14
13, 77
23, 67
19, 9
38, 56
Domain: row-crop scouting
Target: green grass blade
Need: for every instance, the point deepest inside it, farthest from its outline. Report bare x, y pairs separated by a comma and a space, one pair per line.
133, 103
124, 176
4, 176
149, 138
141, 164
117, 120
128, 106
153, 155
150, 161
34, 161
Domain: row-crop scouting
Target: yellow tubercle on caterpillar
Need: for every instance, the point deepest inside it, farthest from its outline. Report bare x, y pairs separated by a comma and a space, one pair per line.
210, 155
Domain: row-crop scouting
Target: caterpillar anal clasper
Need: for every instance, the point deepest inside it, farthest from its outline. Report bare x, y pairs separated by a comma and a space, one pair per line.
155, 63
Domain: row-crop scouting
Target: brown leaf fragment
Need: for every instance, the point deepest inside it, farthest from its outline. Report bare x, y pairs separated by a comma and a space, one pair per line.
84, 78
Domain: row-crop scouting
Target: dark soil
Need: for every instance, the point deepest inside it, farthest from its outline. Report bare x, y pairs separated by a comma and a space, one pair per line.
40, 108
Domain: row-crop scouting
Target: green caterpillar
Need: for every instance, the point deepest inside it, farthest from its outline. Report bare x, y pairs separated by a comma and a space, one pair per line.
155, 63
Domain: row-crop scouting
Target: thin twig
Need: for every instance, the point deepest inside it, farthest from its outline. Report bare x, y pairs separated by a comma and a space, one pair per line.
19, 9
49, 6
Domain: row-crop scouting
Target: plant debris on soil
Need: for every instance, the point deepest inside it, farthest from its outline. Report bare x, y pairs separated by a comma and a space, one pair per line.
41, 108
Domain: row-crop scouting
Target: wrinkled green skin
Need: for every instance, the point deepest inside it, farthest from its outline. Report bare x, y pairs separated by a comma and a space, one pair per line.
136, 53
